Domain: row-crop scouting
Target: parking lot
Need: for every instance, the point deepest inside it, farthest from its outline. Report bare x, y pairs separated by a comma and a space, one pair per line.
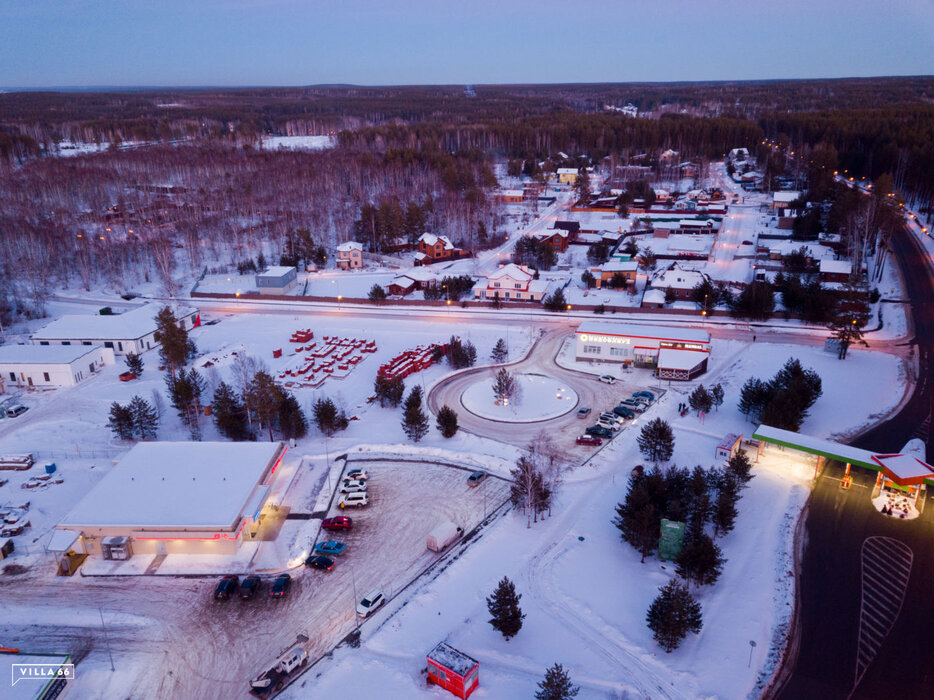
386, 549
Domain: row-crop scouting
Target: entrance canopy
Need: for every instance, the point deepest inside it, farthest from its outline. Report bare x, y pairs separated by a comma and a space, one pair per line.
817, 446
904, 470
62, 540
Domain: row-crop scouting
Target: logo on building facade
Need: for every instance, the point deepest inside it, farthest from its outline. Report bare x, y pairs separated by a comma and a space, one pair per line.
585, 337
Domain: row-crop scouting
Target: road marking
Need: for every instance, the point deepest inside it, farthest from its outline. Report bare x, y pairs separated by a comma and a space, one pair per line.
885, 568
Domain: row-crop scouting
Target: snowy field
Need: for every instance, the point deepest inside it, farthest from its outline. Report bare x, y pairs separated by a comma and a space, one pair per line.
299, 143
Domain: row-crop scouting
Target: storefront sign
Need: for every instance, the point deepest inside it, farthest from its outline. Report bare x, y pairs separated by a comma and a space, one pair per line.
587, 338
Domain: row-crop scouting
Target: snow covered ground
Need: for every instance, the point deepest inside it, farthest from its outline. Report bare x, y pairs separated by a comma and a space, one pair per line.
536, 398
299, 143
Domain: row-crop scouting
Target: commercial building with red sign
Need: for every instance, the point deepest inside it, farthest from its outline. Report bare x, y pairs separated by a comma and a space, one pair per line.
675, 352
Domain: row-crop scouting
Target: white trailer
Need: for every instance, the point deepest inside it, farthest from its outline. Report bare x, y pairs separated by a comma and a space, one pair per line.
444, 534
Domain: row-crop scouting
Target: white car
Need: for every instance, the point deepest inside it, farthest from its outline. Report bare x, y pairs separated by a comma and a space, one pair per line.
357, 499
358, 474
352, 486
612, 418
609, 425
370, 603
607, 378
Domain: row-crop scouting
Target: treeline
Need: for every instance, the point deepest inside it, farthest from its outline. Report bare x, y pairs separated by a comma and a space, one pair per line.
538, 137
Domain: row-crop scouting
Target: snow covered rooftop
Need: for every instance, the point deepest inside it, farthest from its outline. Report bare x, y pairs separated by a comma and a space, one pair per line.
632, 330
177, 485
431, 240
618, 266
276, 271
418, 274
567, 171
349, 246
653, 296
817, 446
836, 267
43, 354
678, 278
130, 325
511, 270
510, 193
451, 658
785, 197
680, 359
904, 469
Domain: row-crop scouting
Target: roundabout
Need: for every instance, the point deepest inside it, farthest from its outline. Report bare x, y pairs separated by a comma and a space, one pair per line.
537, 397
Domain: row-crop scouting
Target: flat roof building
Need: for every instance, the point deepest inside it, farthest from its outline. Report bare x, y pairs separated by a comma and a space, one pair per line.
276, 280
177, 498
642, 346
51, 365
132, 331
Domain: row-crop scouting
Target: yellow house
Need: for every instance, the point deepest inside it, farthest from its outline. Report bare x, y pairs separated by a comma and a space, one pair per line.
567, 176
349, 255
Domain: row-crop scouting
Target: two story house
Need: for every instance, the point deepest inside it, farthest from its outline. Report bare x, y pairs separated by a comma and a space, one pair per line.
350, 255
510, 283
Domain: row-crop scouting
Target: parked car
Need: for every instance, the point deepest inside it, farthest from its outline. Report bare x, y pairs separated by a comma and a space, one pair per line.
370, 603
475, 478
281, 586
647, 394
15, 410
249, 587
352, 486
358, 474
331, 548
319, 562
583, 412
357, 499
338, 522
127, 377
612, 418
642, 400
633, 405
598, 431
607, 378
588, 440
624, 412
609, 425
226, 587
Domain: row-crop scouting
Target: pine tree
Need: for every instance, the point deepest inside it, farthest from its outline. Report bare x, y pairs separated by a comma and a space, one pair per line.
700, 400
700, 560
504, 386
556, 301
753, 397
262, 397
145, 418
291, 418
500, 352
741, 467
716, 396
673, 614
447, 421
724, 512
185, 394
134, 363
377, 294
325, 415
414, 420
461, 353
121, 421
503, 605
229, 413
637, 519
556, 685
656, 441
174, 346
389, 391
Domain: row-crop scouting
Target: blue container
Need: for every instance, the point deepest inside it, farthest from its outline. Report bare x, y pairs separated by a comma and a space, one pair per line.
50, 468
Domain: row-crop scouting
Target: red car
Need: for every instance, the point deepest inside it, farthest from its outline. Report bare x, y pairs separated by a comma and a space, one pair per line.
589, 440
127, 377
339, 522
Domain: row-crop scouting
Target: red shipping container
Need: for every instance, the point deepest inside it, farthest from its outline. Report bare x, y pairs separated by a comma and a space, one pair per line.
453, 670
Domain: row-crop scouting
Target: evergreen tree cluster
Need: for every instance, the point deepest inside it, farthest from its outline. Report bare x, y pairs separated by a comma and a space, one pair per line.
785, 400
529, 489
673, 614
460, 353
756, 301
451, 288
534, 253
300, 250
328, 417
414, 420
702, 400
812, 301
389, 390
137, 419
263, 403
378, 226
556, 301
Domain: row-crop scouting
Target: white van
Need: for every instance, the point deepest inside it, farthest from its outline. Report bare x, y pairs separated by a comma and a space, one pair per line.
353, 499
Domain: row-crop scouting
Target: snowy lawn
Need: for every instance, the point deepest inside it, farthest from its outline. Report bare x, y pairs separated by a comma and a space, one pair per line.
536, 398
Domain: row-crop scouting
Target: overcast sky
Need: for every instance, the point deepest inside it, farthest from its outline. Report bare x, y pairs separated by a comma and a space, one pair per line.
67, 43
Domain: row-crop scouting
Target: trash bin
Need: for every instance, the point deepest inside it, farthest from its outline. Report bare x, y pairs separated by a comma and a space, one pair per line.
50, 467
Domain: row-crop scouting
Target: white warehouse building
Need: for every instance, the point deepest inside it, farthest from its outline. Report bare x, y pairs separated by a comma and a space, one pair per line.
174, 498
52, 366
675, 352
133, 331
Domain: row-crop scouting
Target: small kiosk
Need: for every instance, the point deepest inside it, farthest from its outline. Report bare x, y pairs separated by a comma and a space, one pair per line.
899, 485
453, 670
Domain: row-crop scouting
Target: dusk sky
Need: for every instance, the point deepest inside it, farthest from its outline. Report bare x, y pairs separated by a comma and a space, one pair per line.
68, 43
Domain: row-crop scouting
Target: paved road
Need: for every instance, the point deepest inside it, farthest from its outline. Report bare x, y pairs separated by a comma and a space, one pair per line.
838, 524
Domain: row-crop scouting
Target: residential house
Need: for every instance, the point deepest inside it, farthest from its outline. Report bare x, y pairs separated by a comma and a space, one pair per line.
432, 249
835, 270
511, 282
608, 270
567, 176
411, 280
572, 227
780, 200
557, 239
509, 196
350, 255
679, 279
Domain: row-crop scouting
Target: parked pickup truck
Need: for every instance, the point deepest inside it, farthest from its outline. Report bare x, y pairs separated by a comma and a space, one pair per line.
285, 669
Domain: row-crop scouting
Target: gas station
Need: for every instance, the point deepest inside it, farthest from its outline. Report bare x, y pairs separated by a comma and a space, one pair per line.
901, 478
